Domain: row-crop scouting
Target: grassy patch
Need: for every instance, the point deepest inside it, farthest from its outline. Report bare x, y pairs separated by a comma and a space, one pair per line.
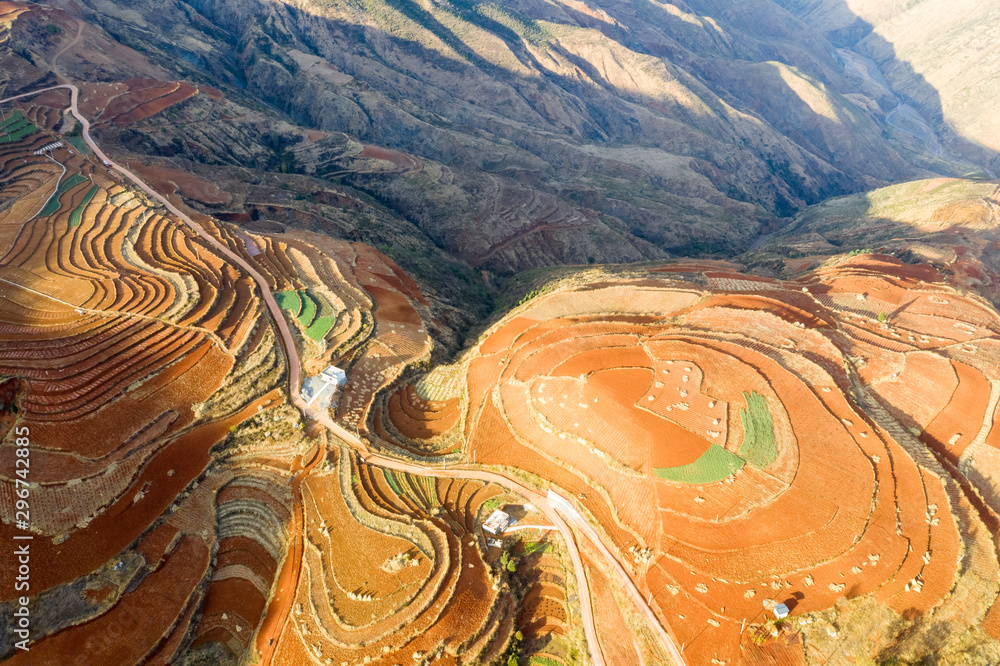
289, 300
77, 215
542, 660
308, 312
67, 184
492, 503
79, 144
714, 465
320, 327
758, 447
536, 547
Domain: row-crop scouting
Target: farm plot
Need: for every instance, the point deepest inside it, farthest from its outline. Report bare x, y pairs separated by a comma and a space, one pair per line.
251, 513
732, 422
125, 335
65, 186
136, 624
313, 314
419, 419
15, 128
958, 424
421, 583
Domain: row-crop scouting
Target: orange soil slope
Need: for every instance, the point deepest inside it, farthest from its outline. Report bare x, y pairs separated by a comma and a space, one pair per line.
392, 567
122, 332
598, 404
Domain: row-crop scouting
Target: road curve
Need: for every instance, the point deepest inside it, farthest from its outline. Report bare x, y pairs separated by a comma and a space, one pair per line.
276, 621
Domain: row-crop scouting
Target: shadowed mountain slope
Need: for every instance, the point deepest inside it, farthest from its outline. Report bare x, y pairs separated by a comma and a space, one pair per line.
549, 132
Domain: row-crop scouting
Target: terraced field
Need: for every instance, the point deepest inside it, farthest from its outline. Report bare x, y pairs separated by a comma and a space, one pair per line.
394, 571
145, 367
135, 350
756, 439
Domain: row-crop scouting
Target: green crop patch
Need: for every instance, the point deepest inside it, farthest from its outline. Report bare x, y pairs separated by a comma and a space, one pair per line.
52, 207
77, 215
15, 117
320, 327
758, 447
714, 465
392, 483
17, 131
308, 313
313, 313
289, 300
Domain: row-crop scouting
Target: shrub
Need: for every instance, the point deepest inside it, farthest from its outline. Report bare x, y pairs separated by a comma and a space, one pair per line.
512, 656
507, 562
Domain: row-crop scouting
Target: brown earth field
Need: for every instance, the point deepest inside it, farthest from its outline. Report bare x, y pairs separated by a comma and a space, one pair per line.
753, 444
163, 449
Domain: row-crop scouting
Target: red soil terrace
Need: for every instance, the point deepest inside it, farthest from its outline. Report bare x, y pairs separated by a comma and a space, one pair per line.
598, 404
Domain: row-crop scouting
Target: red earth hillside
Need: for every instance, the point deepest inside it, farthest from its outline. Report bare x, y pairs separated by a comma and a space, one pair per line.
758, 439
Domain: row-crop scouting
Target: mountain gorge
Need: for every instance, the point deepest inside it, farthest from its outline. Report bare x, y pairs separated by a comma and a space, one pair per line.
938, 56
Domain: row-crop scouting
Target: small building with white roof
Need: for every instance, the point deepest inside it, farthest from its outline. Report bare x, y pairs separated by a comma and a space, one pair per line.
498, 522
320, 390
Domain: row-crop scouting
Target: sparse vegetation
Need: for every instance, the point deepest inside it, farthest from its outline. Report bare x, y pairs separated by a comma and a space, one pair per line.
542, 660
512, 656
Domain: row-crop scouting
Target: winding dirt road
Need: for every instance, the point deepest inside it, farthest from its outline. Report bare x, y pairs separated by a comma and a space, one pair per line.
553, 506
